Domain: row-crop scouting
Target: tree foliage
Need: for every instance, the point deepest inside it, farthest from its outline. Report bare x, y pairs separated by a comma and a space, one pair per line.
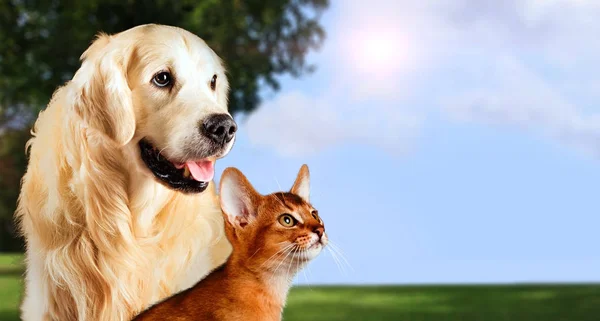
41, 42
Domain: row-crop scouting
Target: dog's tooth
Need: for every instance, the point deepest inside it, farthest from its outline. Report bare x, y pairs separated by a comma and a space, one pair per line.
186, 172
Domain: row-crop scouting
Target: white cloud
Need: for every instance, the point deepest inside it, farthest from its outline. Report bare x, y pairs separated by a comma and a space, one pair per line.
536, 77
520, 98
515, 96
527, 63
297, 125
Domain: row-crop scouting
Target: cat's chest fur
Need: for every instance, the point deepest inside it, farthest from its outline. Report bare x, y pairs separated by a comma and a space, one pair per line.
252, 299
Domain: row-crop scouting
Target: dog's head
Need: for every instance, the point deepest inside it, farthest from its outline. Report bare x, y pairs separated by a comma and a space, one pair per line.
164, 90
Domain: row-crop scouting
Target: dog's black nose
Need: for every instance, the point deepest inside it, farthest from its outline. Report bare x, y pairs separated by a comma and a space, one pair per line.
219, 127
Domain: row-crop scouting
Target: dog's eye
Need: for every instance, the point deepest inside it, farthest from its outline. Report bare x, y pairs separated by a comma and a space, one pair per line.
213, 82
162, 79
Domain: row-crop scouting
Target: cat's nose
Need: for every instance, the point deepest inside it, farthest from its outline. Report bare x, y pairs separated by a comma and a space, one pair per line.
319, 231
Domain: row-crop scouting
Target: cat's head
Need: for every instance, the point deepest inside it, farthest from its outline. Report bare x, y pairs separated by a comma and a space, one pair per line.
277, 230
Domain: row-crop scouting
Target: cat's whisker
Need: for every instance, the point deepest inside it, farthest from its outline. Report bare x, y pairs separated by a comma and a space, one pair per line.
290, 263
278, 186
280, 189
305, 277
336, 257
284, 259
293, 261
309, 271
335, 260
278, 200
274, 276
251, 256
277, 253
286, 253
299, 266
339, 251
335, 246
282, 194
340, 262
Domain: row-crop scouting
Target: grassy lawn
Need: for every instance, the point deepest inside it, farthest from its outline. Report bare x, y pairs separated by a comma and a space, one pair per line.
439, 303
10, 261
10, 285
410, 303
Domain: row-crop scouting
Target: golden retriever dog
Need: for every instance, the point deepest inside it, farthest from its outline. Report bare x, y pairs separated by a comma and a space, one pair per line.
117, 206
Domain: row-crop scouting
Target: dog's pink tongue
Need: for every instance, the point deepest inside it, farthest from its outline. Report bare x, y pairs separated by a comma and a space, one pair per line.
202, 171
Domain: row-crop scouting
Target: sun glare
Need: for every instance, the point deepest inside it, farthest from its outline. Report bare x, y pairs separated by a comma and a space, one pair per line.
378, 52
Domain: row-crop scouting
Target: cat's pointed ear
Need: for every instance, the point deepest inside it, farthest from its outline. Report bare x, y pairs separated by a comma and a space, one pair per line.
302, 184
239, 199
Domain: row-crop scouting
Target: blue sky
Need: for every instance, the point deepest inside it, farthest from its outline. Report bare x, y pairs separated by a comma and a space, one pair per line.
448, 141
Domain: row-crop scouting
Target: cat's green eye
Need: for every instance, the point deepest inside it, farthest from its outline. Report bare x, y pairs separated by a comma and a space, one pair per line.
287, 220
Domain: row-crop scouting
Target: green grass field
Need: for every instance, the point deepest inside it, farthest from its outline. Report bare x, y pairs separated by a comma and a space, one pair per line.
10, 286
410, 303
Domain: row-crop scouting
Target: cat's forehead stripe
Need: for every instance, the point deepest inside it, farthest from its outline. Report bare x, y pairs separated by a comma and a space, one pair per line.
290, 200
297, 217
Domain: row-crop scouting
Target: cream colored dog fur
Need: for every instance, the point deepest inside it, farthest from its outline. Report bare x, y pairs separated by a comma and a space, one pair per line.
104, 238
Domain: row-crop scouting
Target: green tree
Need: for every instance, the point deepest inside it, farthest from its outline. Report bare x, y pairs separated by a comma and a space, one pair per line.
12, 167
41, 41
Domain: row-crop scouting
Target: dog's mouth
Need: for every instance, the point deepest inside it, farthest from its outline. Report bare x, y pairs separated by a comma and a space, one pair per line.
187, 177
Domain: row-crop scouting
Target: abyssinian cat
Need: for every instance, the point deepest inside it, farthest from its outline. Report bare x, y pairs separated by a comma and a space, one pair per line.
272, 236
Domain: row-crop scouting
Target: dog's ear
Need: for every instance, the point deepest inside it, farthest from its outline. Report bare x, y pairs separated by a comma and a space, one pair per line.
302, 184
239, 200
100, 93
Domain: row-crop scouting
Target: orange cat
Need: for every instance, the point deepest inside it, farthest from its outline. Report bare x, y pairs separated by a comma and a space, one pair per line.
273, 237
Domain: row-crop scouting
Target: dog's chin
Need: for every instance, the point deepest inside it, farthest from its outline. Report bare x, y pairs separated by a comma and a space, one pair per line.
175, 176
